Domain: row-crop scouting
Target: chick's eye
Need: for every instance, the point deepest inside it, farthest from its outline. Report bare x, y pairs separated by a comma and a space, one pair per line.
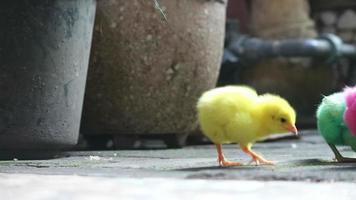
283, 120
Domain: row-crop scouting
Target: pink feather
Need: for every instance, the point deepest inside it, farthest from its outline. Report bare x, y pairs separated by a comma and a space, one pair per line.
350, 111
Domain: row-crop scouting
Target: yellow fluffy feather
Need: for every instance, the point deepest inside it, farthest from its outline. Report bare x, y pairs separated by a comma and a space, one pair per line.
237, 114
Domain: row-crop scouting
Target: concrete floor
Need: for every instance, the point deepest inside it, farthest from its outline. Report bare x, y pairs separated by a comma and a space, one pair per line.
34, 187
304, 163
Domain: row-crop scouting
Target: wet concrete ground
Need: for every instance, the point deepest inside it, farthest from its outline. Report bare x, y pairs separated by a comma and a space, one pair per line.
306, 160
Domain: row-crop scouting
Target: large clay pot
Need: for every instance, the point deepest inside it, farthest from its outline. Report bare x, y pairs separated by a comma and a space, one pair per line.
44, 56
301, 80
146, 74
277, 19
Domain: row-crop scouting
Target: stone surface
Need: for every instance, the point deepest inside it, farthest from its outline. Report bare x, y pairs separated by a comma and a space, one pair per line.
305, 170
328, 18
346, 36
306, 159
347, 20
328, 29
32, 187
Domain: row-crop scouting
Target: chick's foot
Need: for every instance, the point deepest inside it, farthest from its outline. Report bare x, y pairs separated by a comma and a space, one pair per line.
222, 160
226, 163
261, 161
339, 158
257, 159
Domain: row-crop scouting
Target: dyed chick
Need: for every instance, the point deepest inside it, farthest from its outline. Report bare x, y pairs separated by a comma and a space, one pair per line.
336, 117
236, 114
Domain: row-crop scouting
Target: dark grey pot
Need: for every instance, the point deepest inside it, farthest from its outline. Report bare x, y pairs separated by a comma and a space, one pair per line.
44, 55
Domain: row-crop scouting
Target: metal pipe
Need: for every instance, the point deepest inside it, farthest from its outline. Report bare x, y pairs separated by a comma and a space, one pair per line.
327, 46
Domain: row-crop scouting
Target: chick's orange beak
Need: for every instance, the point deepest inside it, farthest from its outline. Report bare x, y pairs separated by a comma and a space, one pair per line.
292, 128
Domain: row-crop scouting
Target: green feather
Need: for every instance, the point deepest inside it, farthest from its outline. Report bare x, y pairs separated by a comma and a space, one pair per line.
330, 121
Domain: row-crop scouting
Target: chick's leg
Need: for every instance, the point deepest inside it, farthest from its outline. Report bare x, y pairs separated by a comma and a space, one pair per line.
339, 157
222, 160
258, 159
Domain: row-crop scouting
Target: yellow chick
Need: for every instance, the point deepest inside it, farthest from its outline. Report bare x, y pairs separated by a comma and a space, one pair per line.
236, 114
